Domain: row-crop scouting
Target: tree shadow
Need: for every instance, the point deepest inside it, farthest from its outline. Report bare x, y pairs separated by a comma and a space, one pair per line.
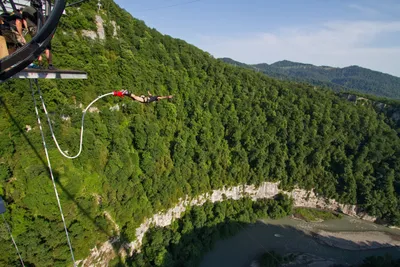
116, 242
238, 244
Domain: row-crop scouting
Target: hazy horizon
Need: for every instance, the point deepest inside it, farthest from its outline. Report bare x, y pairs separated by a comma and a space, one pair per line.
330, 33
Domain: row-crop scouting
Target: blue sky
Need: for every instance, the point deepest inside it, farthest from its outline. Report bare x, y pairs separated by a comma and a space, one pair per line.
337, 33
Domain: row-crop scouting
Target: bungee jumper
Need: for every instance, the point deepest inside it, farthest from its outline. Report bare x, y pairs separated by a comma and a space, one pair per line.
142, 99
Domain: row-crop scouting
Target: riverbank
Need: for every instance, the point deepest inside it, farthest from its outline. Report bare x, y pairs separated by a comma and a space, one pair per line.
357, 240
351, 240
345, 233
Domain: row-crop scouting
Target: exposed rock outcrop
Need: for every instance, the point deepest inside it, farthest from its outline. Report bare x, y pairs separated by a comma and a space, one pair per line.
100, 27
100, 256
116, 28
90, 34
65, 118
100, 30
115, 108
93, 110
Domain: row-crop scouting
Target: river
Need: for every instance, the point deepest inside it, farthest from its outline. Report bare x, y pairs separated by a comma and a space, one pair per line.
292, 236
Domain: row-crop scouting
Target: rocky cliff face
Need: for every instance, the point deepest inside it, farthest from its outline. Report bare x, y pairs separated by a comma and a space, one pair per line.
100, 34
302, 198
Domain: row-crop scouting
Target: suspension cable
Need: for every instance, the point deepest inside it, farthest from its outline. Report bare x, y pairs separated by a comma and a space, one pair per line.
82, 124
51, 173
12, 238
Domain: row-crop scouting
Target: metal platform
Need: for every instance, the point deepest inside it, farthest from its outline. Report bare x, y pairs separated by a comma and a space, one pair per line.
50, 74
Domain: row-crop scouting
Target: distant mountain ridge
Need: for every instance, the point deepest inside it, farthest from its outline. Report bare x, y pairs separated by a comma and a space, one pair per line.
351, 78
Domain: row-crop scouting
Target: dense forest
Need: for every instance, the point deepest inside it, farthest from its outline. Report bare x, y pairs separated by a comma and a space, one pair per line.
352, 78
225, 126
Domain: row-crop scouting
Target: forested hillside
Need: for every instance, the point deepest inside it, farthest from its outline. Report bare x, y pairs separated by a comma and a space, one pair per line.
352, 78
224, 126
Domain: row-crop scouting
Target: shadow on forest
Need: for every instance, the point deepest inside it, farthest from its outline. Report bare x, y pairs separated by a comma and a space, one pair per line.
116, 245
246, 243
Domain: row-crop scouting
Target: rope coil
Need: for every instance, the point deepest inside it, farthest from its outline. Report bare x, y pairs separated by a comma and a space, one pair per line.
82, 123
